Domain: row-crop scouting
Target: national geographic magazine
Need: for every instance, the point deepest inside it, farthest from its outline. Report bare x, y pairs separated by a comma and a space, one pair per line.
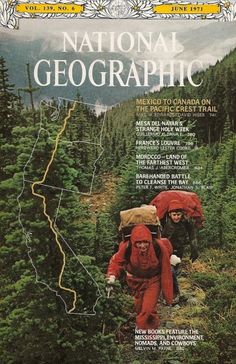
107, 106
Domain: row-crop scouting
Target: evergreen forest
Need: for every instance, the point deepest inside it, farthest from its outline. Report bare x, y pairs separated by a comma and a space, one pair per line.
37, 326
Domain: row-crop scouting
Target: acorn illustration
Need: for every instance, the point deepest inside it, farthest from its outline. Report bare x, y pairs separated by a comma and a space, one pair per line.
227, 4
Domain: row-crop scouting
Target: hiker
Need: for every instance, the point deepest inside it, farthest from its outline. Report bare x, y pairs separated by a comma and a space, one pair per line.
147, 273
180, 232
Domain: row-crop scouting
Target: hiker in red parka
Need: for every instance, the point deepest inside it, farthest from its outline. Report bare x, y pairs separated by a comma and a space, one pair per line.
146, 273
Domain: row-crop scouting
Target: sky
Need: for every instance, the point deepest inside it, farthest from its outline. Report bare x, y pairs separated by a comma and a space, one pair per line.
208, 40
30, 27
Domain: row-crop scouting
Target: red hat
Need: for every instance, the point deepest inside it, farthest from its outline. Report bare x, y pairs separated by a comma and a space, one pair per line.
175, 205
140, 232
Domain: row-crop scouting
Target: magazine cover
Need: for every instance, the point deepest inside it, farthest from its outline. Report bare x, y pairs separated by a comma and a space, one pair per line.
117, 191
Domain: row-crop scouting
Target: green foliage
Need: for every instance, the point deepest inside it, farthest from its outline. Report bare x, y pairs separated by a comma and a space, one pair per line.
35, 327
105, 238
118, 137
37, 330
10, 116
229, 217
219, 284
205, 281
218, 172
204, 352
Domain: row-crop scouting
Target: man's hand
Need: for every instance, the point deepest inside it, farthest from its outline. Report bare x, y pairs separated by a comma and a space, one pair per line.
111, 280
174, 260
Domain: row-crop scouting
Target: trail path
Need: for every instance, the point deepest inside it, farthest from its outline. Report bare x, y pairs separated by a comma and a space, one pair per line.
185, 314
100, 200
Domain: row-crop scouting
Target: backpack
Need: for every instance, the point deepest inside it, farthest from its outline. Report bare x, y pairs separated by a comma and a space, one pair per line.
146, 215
190, 200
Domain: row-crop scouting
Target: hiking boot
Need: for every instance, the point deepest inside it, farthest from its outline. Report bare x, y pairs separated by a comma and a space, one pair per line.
183, 298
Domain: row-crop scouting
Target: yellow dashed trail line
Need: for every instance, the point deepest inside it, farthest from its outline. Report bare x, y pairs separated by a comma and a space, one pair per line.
45, 207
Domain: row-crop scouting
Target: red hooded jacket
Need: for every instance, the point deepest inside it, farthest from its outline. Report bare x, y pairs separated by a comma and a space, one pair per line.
145, 266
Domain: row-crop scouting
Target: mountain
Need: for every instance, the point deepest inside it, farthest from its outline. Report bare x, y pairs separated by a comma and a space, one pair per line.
18, 52
208, 43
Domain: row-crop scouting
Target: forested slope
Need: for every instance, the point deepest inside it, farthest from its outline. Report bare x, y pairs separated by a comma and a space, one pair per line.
218, 85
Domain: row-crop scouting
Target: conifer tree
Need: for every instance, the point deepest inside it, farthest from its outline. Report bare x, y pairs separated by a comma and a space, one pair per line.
7, 100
